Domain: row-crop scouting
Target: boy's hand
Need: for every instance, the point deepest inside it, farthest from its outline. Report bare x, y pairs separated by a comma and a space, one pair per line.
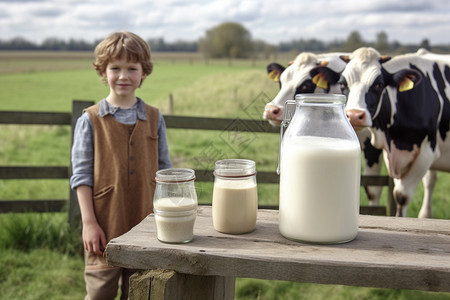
94, 239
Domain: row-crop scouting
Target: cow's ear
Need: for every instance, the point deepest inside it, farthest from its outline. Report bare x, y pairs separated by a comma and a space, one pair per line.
384, 59
274, 75
407, 79
345, 58
321, 81
323, 77
319, 77
274, 71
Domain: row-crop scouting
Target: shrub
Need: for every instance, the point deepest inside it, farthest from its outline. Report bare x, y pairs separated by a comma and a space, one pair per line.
27, 231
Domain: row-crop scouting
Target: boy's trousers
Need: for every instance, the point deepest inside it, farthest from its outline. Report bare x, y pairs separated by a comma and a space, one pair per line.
103, 281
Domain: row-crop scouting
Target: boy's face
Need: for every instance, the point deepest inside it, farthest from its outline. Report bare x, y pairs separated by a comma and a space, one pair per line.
124, 77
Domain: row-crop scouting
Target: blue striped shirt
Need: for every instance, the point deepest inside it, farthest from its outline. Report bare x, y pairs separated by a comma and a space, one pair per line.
83, 141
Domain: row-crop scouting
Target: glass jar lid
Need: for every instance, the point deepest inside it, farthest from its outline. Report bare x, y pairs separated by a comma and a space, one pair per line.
175, 175
235, 168
321, 98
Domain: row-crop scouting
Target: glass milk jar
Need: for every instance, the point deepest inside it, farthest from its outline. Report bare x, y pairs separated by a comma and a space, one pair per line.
175, 205
235, 196
320, 168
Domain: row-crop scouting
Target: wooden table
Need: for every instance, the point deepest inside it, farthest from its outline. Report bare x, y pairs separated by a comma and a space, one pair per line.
388, 252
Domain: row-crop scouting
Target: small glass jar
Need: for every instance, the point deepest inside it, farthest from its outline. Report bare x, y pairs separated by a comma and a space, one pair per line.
235, 196
175, 205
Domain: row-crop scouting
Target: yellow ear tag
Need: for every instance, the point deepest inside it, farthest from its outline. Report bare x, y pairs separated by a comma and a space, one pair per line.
274, 75
406, 85
320, 81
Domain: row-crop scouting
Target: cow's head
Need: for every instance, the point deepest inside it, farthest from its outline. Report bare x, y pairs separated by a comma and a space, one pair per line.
372, 92
364, 81
308, 73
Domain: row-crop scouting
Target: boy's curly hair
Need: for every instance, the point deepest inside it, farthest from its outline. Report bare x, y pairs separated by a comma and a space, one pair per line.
122, 44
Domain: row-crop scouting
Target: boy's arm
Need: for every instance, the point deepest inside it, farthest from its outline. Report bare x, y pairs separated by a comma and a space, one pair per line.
163, 148
94, 239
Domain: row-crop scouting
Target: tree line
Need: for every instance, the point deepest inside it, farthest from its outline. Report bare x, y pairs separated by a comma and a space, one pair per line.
232, 40
56, 44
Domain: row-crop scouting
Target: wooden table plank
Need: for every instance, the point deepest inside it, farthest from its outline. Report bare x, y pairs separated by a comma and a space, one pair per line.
388, 252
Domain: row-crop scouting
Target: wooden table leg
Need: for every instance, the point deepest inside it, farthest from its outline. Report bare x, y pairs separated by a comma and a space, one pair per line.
163, 284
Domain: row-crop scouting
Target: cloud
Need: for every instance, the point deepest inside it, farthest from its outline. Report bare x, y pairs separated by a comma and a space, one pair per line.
22, 1
269, 20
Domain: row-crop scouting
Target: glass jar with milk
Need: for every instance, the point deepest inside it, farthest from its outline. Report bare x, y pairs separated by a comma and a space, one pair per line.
235, 196
175, 205
320, 167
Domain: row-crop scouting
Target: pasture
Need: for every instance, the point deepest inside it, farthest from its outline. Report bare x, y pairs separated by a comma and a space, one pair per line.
181, 84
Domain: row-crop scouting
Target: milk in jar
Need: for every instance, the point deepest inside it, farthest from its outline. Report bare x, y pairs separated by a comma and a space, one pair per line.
319, 189
235, 203
175, 218
175, 205
235, 196
320, 169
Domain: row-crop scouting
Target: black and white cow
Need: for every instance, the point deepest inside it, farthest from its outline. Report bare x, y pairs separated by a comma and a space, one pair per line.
405, 102
309, 73
319, 73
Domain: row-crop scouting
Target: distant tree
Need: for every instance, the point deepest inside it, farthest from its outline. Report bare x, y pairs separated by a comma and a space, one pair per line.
18, 43
354, 41
54, 44
302, 45
157, 44
230, 40
227, 40
395, 46
79, 45
267, 50
160, 45
335, 45
425, 44
185, 46
381, 43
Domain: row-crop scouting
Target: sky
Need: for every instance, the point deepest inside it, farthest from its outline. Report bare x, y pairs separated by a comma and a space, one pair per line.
273, 21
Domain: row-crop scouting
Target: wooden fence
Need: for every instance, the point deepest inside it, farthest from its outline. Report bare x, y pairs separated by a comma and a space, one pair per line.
172, 122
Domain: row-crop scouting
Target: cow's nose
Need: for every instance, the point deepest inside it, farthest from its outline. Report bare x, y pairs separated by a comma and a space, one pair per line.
356, 117
272, 112
275, 111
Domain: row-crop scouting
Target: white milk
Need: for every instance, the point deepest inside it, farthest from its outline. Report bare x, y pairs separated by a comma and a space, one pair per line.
175, 218
319, 189
175, 204
235, 206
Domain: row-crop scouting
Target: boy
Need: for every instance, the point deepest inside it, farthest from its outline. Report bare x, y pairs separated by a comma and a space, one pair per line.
119, 144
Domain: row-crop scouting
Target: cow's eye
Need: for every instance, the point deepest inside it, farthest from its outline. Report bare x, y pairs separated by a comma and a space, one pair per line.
378, 85
343, 85
306, 87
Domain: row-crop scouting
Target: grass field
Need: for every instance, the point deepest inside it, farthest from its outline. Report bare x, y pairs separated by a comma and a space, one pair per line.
40, 257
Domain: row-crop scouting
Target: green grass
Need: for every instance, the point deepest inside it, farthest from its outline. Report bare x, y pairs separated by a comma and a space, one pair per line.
28, 231
55, 90
251, 289
40, 274
41, 257
34, 146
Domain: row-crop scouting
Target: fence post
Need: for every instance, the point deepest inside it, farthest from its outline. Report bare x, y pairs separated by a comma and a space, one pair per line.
171, 104
391, 206
74, 208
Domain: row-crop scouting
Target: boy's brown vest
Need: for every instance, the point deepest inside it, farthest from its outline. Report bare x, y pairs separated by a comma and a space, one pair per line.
125, 164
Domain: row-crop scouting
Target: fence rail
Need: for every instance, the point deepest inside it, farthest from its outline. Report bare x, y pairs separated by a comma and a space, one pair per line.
172, 122
37, 118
